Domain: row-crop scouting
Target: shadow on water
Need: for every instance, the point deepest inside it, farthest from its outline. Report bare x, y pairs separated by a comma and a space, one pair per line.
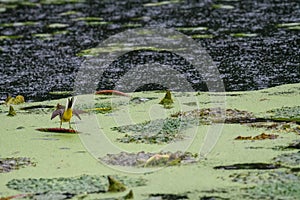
253, 43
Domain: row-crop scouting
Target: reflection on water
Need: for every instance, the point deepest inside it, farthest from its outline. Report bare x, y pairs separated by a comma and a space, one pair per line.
42, 44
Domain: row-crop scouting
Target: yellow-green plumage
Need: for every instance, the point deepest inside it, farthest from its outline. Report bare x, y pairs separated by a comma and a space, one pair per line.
66, 113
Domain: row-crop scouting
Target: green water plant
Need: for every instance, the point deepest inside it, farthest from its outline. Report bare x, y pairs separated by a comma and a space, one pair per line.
155, 131
9, 164
167, 101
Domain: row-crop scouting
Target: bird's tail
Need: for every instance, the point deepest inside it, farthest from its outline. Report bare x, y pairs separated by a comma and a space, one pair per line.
71, 103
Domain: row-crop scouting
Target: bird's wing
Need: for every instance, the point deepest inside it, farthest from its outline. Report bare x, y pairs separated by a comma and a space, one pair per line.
57, 112
77, 112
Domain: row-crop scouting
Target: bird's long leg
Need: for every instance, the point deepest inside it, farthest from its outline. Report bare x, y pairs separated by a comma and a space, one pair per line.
70, 125
60, 123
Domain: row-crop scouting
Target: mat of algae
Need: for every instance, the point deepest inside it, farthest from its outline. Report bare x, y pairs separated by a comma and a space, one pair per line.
55, 161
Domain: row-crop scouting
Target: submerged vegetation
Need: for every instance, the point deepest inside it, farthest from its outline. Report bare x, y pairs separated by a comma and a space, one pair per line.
156, 131
143, 159
9, 164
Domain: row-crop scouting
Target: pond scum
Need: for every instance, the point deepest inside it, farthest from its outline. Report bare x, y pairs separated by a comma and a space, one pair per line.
276, 178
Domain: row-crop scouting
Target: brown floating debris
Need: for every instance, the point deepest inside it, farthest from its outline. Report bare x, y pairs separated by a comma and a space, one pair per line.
247, 166
262, 136
57, 130
110, 92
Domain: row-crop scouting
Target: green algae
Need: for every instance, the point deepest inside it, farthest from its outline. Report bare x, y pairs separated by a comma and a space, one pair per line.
71, 12
116, 48
46, 148
10, 37
202, 36
222, 6
58, 25
161, 3
192, 29
60, 1
88, 19
243, 34
16, 24
289, 25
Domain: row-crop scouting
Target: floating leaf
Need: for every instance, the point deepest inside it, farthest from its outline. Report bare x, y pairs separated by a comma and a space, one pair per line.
57, 130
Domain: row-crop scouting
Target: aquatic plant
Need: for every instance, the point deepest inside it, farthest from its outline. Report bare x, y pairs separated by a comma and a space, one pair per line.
11, 111
285, 113
156, 131
167, 101
290, 159
143, 159
114, 185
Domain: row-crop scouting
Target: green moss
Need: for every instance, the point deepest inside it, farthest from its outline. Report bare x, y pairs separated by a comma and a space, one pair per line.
10, 37
161, 3
88, 19
243, 34
222, 6
201, 36
192, 29
58, 25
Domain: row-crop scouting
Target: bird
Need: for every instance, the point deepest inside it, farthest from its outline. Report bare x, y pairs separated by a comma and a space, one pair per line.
65, 113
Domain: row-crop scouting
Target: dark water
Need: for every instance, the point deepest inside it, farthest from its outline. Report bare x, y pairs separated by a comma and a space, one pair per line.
253, 43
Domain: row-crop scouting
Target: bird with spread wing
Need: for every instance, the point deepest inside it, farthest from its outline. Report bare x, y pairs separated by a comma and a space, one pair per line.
65, 113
